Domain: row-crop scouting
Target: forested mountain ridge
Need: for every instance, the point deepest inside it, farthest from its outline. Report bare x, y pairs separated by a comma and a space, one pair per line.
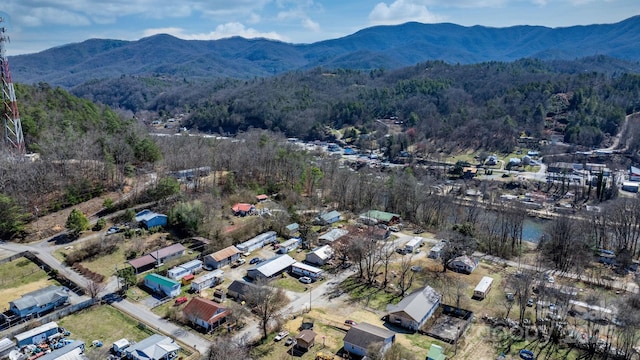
380, 47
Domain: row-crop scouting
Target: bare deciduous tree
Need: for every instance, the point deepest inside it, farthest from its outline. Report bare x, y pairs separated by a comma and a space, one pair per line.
266, 301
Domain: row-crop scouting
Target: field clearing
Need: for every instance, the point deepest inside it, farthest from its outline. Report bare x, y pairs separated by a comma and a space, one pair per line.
19, 277
103, 323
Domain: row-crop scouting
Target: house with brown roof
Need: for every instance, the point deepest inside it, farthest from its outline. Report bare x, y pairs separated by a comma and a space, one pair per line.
222, 257
205, 313
305, 339
158, 257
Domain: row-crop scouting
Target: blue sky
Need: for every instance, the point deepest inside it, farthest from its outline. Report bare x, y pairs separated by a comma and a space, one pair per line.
36, 25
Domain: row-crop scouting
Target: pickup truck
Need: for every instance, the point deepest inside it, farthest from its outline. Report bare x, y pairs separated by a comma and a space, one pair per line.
281, 335
238, 262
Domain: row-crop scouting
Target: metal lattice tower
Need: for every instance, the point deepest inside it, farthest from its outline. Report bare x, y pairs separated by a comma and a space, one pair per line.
14, 139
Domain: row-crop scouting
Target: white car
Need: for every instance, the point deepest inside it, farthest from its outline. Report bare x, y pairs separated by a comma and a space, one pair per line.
306, 280
281, 335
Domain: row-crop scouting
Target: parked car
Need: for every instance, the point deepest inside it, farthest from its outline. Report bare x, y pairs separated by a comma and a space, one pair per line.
113, 230
281, 335
350, 322
510, 296
306, 280
238, 262
530, 302
181, 300
289, 341
416, 268
394, 228
418, 231
255, 260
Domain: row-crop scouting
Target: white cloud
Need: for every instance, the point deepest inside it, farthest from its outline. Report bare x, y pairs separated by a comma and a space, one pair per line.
401, 11
222, 31
311, 25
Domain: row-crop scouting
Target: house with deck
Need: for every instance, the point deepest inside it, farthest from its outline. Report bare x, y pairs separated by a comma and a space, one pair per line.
415, 309
360, 337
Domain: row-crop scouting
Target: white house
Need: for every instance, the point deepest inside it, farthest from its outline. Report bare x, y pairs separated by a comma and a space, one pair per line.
271, 268
301, 269
207, 280
463, 264
155, 347
361, 336
258, 242
413, 244
289, 245
162, 285
320, 256
415, 309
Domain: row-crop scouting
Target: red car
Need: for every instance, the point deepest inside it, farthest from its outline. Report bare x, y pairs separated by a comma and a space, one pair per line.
181, 300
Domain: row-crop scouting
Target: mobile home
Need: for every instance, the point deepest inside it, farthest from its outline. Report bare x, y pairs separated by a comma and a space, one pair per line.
413, 244
307, 270
483, 288
207, 280
289, 245
258, 242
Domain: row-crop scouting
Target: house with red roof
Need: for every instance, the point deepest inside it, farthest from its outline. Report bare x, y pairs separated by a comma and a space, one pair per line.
242, 209
205, 313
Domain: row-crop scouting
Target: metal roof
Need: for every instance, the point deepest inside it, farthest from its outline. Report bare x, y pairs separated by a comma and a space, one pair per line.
417, 304
273, 265
365, 334
40, 297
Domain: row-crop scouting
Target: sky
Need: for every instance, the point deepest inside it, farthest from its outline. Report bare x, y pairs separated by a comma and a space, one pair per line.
36, 25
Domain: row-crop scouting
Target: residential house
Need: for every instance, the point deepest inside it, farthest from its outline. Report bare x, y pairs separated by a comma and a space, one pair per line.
71, 351
271, 268
289, 245
262, 197
162, 285
205, 313
305, 340
240, 290
39, 301
436, 251
222, 257
331, 236
242, 209
373, 232
463, 264
207, 280
155, 347
360, 337
328, 218
258, 241
157, 257
149, 219
37, 335
382, 217
292, 229
320, 256
415, 309
469, 172
630, 186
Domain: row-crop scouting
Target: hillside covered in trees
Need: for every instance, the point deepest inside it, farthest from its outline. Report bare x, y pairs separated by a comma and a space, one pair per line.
439, 104
84, 150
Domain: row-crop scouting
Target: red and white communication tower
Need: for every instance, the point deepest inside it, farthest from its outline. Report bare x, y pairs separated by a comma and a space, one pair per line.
12, 126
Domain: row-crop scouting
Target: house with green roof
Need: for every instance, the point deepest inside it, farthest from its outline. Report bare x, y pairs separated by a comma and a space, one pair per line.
162, 285
382, 217
435, 353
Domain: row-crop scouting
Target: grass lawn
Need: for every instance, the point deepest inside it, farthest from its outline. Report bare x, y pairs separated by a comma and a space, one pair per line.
103, 323
291, 284
20, 272
19, 277
369, 296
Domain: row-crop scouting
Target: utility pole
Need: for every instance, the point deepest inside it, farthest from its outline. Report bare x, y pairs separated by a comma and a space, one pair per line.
13, 137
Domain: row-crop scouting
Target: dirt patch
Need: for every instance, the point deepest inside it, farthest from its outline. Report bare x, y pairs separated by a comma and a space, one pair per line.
7, 295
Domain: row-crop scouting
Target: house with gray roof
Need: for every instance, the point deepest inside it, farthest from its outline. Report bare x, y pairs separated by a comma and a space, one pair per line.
155, 347
328, 218
332, 235
360, 337
271, 268
39, 302
415, 309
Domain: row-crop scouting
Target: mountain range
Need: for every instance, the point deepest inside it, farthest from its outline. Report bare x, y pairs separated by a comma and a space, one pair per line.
379, 47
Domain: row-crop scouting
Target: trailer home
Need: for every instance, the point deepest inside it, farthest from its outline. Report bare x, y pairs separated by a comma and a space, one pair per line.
483, 288
301, 269
413, 244
207, 280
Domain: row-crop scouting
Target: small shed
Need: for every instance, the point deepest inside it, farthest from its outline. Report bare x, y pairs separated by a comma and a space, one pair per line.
435, 353
436, 250
305, 339
187, 279
292, 229
37, 335
262, 197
